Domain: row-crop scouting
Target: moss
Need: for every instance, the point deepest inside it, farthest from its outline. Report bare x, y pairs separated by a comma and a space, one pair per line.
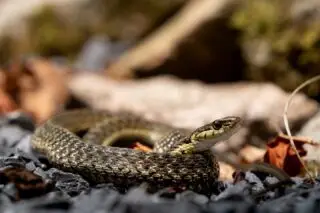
51, 34
294, 43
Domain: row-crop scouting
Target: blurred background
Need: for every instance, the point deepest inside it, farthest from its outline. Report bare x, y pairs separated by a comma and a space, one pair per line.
183, 62
221, 41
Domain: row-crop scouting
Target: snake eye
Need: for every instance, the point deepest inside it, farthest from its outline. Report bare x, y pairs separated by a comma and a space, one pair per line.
217, 124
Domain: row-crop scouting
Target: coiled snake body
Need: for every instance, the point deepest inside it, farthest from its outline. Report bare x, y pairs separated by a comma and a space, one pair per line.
180, 157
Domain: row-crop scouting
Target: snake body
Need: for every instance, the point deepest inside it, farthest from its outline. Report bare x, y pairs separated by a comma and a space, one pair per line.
180, 157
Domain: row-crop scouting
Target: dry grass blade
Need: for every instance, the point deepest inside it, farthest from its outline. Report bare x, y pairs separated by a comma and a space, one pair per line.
286, 123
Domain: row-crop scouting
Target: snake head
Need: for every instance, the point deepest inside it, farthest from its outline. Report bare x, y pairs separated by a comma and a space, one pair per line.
206, 136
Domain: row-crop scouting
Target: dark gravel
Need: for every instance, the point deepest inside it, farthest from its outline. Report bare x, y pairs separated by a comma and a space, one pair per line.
56, 191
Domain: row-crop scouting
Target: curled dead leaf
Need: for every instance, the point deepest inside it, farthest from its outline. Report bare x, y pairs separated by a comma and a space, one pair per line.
139, 146
280, 153
35, 86
7, 103
28, 184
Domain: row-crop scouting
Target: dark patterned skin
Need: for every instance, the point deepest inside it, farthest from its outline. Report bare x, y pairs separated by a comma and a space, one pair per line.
124, 166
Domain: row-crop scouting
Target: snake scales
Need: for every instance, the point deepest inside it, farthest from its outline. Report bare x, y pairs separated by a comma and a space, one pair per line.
180, 157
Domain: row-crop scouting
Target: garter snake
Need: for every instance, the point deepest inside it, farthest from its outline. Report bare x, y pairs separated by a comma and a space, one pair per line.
180, 157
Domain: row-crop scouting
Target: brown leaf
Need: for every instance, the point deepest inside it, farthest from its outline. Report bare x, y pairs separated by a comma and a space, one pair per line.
139, 146
36, 87
28, 185
7, 104
280, 154
45, 90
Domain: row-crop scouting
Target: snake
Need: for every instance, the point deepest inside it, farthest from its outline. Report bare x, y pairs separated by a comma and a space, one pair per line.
179, 157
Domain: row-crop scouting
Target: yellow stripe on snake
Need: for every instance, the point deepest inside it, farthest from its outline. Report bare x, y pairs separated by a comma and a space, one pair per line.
179, 158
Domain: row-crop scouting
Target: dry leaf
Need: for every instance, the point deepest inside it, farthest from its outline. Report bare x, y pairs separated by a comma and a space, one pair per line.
35, 86
280, 154
6, 103
139, 146
45, 91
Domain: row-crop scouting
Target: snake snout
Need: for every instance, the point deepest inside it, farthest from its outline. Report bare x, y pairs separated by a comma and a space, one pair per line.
221, 129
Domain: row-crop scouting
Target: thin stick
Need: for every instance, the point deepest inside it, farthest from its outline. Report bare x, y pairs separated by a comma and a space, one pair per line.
286, 123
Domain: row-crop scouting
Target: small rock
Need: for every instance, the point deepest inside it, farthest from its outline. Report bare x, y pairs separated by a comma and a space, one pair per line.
137, 194
41, 205
257, 184
109, 186
310, 205
242, 188
11, 135
14, 161
97, 200
22, 120
192, 196
28, 184
31, 166
69, 183
237, 205
25, 145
